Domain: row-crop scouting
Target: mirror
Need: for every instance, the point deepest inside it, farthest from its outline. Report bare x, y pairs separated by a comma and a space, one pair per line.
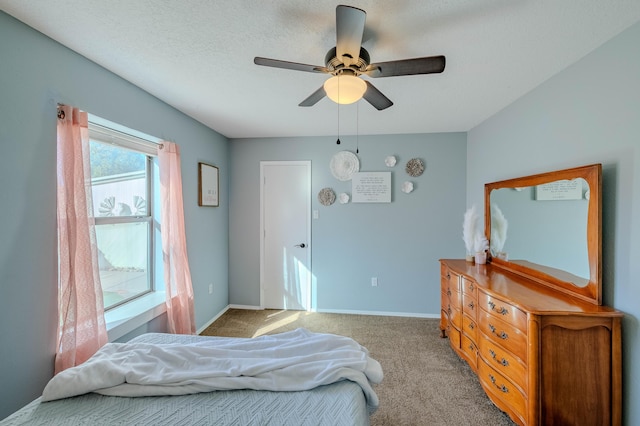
548, 228
537, 216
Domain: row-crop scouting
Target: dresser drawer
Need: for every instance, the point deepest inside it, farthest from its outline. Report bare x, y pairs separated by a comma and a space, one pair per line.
447, 274
504, 362
504, 334
502, 389
470, 327
450, 304
470, 350
455, 316
469, 288
503, 310
454, 337
450, 284
469, 305
444, 301
452, 293
444, 270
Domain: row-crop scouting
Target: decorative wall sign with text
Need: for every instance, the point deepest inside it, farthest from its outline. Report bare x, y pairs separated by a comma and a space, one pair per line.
371, 187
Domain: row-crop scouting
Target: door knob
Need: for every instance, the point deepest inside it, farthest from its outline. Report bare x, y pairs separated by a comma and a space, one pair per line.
301, 245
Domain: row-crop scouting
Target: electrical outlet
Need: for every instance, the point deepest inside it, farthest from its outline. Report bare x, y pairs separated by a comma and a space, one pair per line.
374, 282
211, 288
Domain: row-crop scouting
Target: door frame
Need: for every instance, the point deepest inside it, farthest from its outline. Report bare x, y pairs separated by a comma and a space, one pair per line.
263, 164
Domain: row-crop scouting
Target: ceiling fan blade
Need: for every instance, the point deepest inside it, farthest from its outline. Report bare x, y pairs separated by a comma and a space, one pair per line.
276, 63
428, 65
314, 98
349, 30
376, 98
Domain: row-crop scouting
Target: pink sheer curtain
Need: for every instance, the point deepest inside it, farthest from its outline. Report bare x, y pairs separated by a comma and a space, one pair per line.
177, 277
81, 326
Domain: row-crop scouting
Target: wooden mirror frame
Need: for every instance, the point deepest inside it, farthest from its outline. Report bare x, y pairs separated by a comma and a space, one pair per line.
592, 174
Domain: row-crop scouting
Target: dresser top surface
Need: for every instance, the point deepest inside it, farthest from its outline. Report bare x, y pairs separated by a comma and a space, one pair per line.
528, 294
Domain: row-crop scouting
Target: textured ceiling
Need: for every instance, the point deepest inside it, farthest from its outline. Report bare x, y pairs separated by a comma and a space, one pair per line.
198, 55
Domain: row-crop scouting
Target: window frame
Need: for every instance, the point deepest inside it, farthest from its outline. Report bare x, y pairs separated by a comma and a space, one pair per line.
111, 136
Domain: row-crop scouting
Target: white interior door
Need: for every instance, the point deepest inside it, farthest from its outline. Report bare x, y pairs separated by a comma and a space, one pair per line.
285, 261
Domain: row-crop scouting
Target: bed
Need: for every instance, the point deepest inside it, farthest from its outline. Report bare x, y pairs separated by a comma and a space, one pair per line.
346, 400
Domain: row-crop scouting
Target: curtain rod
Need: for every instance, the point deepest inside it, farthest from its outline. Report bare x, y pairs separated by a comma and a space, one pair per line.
61, 116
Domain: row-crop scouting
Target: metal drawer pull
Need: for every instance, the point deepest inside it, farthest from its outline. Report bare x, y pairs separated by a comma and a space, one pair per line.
504, 362
471, 305
470, 347
502, 334
472, 325
471, 287
503, 388
449, 292
448, 275
501, 311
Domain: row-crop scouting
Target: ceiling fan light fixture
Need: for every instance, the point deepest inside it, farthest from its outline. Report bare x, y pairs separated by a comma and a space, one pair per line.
345, 89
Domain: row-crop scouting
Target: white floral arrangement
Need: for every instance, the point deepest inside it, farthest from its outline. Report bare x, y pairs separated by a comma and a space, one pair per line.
470, 228
474, 239
480, 243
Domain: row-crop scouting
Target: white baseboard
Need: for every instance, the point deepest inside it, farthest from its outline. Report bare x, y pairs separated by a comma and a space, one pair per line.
247, 307
379, 313
204, 327
328, 311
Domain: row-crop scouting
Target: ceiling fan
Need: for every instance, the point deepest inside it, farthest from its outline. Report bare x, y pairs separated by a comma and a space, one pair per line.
348, 60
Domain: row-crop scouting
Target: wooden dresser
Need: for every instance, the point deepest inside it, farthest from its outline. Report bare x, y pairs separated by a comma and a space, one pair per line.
542, 356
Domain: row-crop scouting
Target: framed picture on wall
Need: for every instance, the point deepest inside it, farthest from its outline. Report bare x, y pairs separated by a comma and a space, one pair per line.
208, 185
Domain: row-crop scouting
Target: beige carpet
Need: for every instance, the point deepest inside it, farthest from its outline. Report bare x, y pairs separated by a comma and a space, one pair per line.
425, 382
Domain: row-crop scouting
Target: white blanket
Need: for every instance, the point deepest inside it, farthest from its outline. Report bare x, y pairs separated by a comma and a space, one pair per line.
292, 361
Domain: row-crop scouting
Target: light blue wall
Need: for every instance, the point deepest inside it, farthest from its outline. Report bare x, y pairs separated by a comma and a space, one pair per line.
398, 242
589, 113
35, 74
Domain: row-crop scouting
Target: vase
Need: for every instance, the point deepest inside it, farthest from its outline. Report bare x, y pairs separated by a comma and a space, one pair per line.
481, 258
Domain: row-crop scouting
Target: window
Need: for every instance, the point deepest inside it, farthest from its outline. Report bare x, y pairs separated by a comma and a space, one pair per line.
123, 182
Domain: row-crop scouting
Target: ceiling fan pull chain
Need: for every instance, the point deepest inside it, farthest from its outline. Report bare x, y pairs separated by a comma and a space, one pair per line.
338, 141
357, 127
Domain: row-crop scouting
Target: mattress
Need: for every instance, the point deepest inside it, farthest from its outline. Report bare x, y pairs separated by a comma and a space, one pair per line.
341, 403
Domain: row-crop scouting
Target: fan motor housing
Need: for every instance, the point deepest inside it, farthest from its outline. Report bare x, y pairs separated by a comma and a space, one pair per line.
336, 66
